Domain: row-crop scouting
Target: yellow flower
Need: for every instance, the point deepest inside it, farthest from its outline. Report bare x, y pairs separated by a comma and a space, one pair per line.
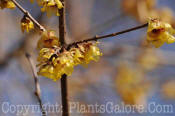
26, 24
159, 33
90, 52
48, 71
45, 54
7, 4
48, 39
77, 56
50, 6
64, 63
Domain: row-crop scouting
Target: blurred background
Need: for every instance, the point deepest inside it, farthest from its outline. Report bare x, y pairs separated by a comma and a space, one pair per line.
128, 72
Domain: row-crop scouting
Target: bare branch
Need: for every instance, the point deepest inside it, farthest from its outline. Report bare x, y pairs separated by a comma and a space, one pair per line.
37, 85
108, 35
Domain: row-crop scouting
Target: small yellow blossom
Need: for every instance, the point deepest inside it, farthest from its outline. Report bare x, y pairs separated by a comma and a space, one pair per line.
77, 56
64, 63
7, 4
26, 24
159, 33
48, 71
48, 39
50, 6
45, 54
91, 52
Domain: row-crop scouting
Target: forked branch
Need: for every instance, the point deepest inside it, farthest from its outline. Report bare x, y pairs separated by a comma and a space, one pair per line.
29, 15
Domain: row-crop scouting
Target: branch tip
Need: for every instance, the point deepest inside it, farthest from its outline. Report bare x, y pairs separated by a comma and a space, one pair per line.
27, 55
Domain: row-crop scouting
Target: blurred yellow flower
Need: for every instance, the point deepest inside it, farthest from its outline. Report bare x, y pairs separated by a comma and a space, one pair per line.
26, 24
7, 4
50, 6
48, 39
148, 59
31, 1
131, 85
140, 9
159, 33
168, 89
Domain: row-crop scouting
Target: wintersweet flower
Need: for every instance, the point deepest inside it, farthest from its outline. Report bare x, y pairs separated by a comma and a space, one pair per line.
26, 24
7, 4
159, 33
45, 54
90, 51
48, 71
48, 39
64, 64
77, 55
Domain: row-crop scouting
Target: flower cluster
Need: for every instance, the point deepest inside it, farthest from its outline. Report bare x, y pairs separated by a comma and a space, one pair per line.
50, 6
159, 33
26, 24
55, 61
7, 4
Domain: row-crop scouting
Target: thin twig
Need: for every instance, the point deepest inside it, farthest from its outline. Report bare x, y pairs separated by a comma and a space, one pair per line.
29, 15
37, 85
108, 35
64, 91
